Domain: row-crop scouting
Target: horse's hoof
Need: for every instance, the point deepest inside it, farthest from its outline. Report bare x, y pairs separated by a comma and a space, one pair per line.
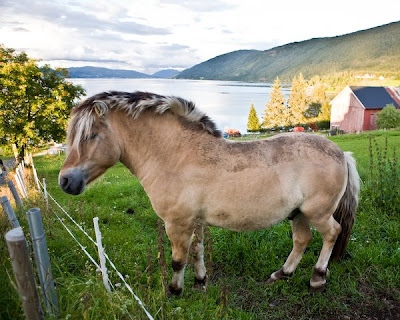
319, 289
200, 284
173, 291
278, 275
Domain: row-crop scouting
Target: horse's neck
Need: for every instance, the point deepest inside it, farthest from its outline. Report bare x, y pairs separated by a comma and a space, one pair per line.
153, 143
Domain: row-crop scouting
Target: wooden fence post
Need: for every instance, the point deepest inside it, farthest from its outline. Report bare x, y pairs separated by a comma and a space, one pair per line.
12, 218
101, 254
46, 196
35, 174
20, 186
42, 260
23, 273
20, 174
15, 194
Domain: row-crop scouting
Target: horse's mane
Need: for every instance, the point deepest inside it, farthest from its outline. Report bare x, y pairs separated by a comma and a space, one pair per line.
134, 103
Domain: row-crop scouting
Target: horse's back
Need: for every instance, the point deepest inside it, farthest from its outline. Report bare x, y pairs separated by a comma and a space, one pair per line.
281, 149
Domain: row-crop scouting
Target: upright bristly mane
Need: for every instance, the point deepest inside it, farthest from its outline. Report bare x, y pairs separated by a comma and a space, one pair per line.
133, 104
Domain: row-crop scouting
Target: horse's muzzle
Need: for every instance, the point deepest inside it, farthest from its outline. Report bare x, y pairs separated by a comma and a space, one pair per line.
73, 181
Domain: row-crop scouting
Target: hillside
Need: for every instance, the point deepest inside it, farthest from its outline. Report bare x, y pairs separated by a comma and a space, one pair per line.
375, 50
95, 72
166, 74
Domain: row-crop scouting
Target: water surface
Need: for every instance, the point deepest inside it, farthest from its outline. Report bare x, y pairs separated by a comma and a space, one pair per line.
226, 102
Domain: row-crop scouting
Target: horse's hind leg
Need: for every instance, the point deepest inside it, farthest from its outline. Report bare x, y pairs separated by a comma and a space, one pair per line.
198, 250
180, 237
330, 229
301, 238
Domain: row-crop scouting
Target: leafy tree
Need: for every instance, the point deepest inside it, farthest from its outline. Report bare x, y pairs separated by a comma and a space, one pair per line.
298, 100
253, 123
35, 102
276, 112
388, 118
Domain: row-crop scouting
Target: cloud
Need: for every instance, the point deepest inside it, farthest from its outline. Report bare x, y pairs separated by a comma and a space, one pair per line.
20, 29
202, 6
64, 16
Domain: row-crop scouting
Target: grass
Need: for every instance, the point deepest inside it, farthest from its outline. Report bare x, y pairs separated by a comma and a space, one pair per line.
364, 284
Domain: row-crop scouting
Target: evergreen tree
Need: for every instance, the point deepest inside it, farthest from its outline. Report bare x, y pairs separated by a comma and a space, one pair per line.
298, 101
35, 102
317, 99
325, 112
276, 112
253, 123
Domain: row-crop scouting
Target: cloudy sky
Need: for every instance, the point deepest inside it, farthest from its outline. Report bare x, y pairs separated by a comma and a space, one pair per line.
151, 35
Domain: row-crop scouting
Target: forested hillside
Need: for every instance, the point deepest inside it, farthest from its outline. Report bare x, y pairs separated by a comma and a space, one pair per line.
375, 50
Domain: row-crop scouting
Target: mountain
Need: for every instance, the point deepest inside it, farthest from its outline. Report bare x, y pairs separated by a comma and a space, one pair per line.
166, 74
95, 72
375, 50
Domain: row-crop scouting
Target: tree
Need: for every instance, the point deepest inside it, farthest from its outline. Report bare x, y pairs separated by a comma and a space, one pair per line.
35, 102
253, 123
276, 112
388, 118
298, 101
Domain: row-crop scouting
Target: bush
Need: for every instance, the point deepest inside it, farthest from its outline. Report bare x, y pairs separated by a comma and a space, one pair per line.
388, 118
324, 124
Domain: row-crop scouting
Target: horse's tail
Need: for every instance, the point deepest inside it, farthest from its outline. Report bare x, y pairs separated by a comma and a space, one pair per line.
346, 210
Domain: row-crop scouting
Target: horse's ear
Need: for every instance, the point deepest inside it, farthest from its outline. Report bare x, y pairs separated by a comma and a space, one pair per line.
101, 108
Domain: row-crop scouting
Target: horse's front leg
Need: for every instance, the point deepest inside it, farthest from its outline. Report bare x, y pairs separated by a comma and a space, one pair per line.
198, 250
180, 236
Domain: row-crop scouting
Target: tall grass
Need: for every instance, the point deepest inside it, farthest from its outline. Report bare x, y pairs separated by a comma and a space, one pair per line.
364, 284
381, 186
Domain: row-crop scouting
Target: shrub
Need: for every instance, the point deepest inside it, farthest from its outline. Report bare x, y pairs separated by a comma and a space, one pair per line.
388, 118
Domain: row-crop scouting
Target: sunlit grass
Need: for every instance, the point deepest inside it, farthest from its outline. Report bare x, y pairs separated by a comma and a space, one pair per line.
366, 281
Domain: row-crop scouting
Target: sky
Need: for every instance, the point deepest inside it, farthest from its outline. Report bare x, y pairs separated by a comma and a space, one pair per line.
152, 35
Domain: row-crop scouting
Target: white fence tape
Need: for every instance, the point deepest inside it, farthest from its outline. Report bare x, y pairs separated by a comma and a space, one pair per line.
90, 257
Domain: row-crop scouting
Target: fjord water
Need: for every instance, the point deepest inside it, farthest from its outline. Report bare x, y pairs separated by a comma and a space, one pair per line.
226, 102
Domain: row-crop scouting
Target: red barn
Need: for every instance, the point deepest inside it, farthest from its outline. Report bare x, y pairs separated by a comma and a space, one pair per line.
354, 109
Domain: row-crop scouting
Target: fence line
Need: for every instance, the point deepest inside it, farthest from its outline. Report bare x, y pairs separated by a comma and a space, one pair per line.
90, 257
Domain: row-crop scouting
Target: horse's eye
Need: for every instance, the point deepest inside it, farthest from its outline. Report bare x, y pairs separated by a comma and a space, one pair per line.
93, 136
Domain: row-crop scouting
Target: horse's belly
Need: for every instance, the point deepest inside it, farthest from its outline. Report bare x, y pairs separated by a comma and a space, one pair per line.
252, 201
245, 219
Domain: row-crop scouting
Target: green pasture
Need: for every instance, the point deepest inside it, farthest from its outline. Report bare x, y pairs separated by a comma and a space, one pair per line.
366, 283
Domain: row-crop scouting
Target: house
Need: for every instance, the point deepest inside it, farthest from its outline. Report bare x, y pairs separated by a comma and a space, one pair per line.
354, 109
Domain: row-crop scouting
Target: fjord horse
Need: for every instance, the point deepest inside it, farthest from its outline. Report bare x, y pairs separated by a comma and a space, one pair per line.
195, 177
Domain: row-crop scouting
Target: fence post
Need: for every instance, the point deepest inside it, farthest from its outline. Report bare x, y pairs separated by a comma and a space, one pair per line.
46, 196
23, 273
15, 150
14, 192
42, 260
12, 218
20, 185
101, 254
35, 175
21, 178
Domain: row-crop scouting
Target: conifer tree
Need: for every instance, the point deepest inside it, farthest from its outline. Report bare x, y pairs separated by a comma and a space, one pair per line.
298, 100
253, 123
319, 107
276, 112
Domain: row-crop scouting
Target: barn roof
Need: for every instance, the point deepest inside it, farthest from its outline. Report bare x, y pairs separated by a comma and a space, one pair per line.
374, 97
